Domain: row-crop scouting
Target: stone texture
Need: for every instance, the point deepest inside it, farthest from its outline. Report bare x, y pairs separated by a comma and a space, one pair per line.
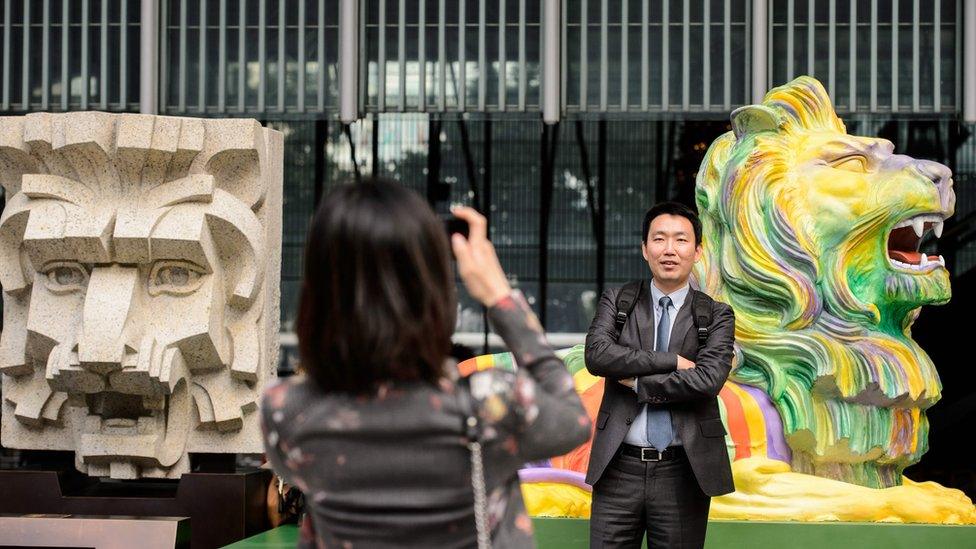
139, 259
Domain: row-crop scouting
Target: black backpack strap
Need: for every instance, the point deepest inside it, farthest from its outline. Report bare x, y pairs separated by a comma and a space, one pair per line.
701, 312
626, 301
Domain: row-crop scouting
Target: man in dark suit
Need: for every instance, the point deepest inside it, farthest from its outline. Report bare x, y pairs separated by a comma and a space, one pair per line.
659, 451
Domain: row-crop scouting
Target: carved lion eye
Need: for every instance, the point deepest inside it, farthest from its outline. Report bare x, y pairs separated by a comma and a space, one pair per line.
66, 276
174, 277
851, 163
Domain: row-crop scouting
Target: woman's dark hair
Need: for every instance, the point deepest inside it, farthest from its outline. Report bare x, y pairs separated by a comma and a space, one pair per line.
378, 297
672, 208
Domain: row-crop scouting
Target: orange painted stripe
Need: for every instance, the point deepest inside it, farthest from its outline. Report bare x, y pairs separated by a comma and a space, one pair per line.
738, 428
468, 367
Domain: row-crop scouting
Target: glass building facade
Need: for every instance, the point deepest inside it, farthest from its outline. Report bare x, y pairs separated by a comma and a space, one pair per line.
450, 93
450, 97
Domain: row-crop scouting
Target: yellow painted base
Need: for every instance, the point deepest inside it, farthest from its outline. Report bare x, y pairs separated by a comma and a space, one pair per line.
554, 499
768, 490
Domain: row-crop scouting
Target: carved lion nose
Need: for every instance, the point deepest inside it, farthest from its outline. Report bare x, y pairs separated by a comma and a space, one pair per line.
108, 300
934, 172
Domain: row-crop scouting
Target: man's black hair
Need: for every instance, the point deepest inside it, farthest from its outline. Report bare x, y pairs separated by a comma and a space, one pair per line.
672, 208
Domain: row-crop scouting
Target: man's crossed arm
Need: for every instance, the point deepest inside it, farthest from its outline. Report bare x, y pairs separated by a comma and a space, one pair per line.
661, 376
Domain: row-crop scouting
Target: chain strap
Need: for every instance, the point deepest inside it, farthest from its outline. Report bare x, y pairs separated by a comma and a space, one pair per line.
478, 487
480, 496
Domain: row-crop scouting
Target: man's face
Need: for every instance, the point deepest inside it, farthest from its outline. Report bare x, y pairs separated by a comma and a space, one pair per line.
670, 249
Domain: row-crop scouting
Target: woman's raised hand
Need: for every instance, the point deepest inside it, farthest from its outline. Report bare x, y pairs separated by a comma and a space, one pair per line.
477, 262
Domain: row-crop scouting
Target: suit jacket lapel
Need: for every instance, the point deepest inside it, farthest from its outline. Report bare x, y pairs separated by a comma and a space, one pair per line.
644, 317
683, 322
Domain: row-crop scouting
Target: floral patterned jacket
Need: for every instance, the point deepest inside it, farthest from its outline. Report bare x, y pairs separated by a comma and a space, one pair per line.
392, 469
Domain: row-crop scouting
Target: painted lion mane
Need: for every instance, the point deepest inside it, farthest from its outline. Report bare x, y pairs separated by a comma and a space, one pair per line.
850, 384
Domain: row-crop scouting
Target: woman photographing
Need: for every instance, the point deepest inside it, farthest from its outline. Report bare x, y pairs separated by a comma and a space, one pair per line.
378, 431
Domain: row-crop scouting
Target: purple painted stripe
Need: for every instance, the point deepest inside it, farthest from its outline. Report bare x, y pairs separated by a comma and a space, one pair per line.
550, 474
776, 447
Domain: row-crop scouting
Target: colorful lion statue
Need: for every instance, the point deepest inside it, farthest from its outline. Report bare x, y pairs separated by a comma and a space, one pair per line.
812, 236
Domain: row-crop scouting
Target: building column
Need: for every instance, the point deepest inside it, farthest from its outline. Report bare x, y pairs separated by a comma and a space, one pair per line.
551, 28
149, 57
349, 61
969, 61
759, 48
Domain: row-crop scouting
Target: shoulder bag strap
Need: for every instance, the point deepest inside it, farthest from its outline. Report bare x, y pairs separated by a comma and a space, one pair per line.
626, 300
701, 304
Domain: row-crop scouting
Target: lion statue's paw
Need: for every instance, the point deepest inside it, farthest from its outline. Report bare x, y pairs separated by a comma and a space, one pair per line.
768, 490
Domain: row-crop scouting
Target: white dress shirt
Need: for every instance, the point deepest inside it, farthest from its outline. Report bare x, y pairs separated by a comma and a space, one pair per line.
637, 435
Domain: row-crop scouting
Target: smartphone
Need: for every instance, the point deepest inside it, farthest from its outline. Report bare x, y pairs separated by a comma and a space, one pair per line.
455, 225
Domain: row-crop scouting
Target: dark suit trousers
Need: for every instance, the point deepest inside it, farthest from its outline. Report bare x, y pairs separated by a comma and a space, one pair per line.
662, 498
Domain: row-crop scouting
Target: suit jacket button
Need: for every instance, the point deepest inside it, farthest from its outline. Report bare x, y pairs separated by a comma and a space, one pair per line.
629, 421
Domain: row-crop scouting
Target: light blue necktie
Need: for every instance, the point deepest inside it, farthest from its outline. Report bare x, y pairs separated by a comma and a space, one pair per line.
660, 433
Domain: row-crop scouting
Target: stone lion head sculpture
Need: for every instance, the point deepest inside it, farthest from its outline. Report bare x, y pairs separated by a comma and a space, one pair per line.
813, 236
139, 260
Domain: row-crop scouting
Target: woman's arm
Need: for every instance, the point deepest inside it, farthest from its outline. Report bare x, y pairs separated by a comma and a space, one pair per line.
550, 416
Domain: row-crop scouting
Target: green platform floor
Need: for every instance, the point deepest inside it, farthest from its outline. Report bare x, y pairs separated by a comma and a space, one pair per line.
554, 533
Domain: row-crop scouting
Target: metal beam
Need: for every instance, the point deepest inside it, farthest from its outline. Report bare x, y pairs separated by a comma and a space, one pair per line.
482, 57
665, 56
706, 57
402, 55
5, 99
462, 74
759, 50
201, 59
969, 63
584, 57
103, 84
645, 54
852, 58
441, 57
25, 54
686, 56
604, 54
348, 61
874, 56
937, 58
262, 50
221, 57
894, 55
915, 52
521, 56
123, 55
65, 76
300, 100
550, 63
148, 56
502, 57
624, 63
282, 59
241, 56
727, 57
320, 56
831, 46
46, 54
790, 14
182, 82
422, 56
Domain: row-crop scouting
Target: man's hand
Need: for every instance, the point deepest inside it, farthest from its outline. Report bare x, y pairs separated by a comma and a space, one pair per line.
684, 363
628, 382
